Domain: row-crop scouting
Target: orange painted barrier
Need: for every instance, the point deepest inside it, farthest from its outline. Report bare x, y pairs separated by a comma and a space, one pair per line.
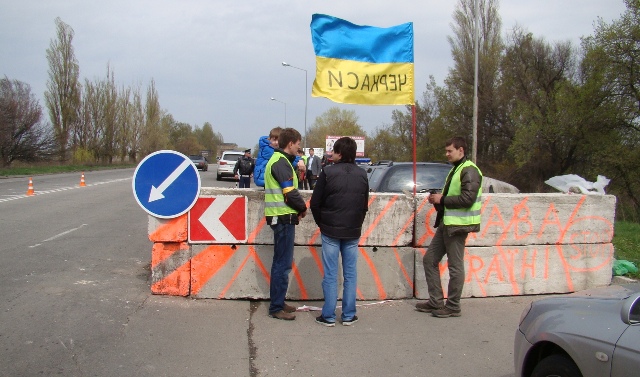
30, 191
528, 244
82, 183
171, 269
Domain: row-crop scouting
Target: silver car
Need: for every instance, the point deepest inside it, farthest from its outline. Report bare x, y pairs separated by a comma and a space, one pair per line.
589, 333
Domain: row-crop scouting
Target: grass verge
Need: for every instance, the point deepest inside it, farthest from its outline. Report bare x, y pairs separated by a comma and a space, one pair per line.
626, 242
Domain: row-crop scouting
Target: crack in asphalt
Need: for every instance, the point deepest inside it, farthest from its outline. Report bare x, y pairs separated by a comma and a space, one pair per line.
253, 350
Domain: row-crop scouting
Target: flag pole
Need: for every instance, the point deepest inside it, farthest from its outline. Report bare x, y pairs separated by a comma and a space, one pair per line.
415, 136
474, 155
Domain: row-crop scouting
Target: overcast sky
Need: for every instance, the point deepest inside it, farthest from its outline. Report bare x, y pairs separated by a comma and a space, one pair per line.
221, 61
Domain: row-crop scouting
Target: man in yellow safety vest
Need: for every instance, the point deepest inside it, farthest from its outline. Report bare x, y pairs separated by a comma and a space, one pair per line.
283, 209
458, 215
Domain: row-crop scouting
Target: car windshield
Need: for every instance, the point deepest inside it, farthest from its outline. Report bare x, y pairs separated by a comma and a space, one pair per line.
428, 177
196, 158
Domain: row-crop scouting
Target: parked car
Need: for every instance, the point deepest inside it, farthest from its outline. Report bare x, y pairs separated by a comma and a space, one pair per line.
200, 162
398, 177
590, 333
227, 162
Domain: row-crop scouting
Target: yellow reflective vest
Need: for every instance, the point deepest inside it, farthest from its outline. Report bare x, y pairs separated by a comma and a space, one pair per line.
274, 204
462, 216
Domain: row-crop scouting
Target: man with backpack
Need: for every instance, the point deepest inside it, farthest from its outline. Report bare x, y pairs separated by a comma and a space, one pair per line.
244, 166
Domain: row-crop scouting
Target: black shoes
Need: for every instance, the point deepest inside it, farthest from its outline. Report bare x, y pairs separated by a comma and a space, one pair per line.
446, 313
426, 307
351, 321
320, 319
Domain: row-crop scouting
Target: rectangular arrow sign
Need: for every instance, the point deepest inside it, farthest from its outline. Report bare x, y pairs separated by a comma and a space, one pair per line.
218, 219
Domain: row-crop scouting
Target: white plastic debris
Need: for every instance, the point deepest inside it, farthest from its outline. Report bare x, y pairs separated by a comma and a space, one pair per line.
572, 183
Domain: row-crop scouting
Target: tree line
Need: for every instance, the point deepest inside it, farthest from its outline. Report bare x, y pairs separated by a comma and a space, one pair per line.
95, 121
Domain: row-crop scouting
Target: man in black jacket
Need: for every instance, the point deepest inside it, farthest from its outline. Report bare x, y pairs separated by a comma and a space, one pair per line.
244, 166
339, 204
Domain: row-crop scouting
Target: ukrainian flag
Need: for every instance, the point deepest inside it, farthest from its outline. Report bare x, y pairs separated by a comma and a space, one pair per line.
362, 64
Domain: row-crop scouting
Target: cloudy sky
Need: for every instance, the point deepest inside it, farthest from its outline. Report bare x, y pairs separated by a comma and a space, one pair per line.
221, 61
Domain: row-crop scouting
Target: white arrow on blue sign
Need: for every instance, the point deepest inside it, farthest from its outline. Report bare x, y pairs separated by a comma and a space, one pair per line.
166, 184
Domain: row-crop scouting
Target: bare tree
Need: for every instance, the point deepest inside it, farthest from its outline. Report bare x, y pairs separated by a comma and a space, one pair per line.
63, 88
137, 125
456, 102
125, 121
154, 137
22, 135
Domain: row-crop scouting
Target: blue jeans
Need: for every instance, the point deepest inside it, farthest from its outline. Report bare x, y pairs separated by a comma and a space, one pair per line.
332, 248
283, 236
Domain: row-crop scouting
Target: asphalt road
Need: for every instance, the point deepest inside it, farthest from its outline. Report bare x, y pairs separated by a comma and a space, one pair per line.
75, 301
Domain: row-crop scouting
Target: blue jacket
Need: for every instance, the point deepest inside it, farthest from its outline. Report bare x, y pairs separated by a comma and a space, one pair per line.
265, 152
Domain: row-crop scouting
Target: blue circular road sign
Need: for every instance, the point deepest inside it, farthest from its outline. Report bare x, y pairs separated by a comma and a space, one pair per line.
166, 184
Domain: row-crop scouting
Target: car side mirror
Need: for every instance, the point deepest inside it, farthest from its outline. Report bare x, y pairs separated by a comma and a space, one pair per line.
630, 312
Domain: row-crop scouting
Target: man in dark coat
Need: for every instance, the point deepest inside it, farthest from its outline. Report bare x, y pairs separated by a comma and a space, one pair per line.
339, 204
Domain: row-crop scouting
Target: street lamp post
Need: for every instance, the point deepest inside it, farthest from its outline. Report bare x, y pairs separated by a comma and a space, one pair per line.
305, 98
285, 110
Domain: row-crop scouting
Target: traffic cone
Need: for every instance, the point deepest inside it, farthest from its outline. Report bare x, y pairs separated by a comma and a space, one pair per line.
30, 191
82, 184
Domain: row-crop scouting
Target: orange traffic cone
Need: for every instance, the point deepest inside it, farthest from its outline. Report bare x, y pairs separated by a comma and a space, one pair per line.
30, 191
82, 184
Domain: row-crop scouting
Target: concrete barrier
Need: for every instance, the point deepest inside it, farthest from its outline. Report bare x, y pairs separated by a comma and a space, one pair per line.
528, 244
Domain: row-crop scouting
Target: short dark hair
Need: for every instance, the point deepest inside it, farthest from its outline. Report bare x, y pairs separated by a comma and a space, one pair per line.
346, 147
288, 135
457, 142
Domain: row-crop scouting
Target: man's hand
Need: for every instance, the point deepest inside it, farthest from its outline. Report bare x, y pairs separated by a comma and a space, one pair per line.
435, 198
301, 215
236, 176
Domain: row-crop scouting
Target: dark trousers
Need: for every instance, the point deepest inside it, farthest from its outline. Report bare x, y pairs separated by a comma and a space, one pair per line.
244, 181
283, 236
453, 247
311, 178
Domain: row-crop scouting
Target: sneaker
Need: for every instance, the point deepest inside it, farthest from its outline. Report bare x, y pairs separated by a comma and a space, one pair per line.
283, 315
425, 307
351, 321
446, 312
289, 308
324, 322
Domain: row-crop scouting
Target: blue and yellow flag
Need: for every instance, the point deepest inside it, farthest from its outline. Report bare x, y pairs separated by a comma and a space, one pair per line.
362, 64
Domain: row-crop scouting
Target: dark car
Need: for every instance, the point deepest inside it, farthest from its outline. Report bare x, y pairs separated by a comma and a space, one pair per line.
398, 177
590, 333
200, 162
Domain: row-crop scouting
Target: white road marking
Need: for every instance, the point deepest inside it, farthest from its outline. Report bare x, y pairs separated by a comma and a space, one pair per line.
59, 235
61, 189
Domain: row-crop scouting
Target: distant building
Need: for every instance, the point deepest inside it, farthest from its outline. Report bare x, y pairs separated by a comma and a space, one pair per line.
223, 147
